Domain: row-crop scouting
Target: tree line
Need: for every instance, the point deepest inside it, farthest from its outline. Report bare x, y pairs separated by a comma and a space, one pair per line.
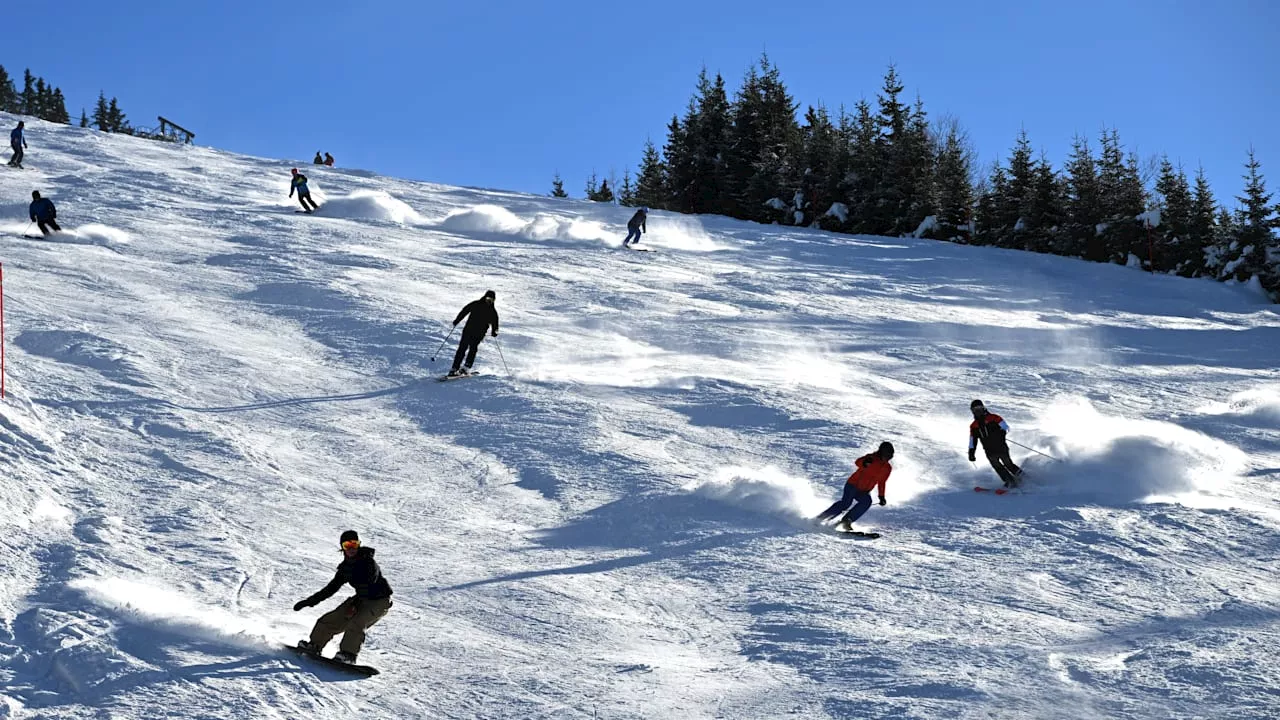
886, 168
39, 98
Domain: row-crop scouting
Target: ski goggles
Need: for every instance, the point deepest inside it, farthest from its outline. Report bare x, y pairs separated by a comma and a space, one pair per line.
351, 545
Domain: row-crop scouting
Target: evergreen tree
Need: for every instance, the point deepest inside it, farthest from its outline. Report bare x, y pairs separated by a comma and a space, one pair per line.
627, 194
116, 119
744, 145
819, 173
1257, 252
9, 98
1202, 230
890, 195
1123, 198
955, 189
593, 185
1082, 205
1019, 194
58, 108
28, 100
604, 193
43, 99
1044, 209
101, 114
1174, 244
557, 187
675, 173
706, 125
84, 119
651, 187
866, 164
995, 207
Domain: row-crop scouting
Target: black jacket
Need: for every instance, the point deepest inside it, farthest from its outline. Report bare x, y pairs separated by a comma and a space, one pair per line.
362, 573
43, 209
483, 314
638, 221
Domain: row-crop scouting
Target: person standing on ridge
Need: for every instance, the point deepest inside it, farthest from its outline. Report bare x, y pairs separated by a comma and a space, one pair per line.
872, 472
483, 315
43, 213
636, 226
991, 430
299, 183
328, 160
357, 613
17, 141
319, 160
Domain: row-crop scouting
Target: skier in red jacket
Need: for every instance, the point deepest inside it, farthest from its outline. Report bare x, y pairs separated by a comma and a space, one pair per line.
872, 472
991, 430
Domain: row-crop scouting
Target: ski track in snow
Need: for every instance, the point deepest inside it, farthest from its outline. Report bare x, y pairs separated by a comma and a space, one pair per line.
206, 388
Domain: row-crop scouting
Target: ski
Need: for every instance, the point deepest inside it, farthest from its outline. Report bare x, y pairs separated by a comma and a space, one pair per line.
447, 378
997, 491
858, 534
367, 670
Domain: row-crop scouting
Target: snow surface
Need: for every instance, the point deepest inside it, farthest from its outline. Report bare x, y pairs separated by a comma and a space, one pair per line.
203, 397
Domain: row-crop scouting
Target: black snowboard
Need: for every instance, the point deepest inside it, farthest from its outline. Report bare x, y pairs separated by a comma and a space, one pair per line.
366, 670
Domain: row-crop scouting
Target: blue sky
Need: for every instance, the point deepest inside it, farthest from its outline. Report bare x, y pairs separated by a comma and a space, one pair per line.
502, 94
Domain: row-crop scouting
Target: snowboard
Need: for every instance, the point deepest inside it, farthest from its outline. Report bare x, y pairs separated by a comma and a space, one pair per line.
447, 378
367, 670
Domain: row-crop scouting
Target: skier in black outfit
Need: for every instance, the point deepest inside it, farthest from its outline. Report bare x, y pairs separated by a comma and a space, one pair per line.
358, 612
991, 430
483, 315
43, 213
636, 226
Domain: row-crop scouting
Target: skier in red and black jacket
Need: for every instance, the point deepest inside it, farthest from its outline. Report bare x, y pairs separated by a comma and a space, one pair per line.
990, 429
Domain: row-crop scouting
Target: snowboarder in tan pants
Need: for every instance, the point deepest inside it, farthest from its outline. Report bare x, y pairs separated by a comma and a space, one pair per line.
357, 613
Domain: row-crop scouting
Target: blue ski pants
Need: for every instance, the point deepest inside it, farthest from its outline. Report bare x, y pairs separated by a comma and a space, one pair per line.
859, 499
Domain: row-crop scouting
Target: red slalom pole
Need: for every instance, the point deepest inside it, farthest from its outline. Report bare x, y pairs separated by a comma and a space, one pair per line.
1, 331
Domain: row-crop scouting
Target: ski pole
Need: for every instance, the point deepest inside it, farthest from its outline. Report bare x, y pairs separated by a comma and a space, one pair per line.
24, 232
442, 342
504, 359
1024, 447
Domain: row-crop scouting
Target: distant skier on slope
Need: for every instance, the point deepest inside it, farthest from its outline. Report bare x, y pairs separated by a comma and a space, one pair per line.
328, 160
483, 315
318, 160
872, 471
17, 141
43, 213
991, 430
357, 613
299, 183
636, 226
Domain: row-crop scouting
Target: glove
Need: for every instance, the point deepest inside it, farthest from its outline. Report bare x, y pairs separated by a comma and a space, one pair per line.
882, 501
299, 605
972, 457
455, 324
495, 334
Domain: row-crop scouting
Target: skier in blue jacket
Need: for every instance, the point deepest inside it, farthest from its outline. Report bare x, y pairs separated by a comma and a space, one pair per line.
43, 213
18, 142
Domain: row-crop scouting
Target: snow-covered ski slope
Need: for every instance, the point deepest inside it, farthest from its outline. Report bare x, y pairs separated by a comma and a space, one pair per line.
205, 388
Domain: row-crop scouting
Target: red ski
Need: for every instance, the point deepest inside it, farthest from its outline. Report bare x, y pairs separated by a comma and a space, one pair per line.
998, 491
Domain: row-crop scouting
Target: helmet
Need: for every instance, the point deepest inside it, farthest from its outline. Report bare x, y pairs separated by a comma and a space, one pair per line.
886, 450
491, 294
294, 170
644, 210
977, 406
349, 535
35, 194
